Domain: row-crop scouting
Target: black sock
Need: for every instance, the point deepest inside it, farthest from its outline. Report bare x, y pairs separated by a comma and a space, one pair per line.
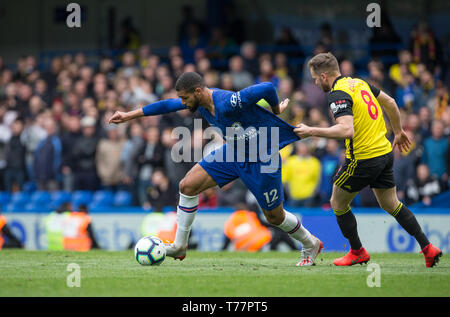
347, 223
408, 221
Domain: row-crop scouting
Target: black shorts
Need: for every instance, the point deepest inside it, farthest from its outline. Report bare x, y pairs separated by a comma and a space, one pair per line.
376, 172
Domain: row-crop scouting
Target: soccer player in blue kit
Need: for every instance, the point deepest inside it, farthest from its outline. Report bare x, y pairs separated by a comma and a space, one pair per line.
242, 114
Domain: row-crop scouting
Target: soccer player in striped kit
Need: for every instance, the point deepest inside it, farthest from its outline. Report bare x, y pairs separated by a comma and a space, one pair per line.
358, 110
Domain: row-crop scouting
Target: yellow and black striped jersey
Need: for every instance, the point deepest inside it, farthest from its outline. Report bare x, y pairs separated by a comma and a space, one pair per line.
353, 96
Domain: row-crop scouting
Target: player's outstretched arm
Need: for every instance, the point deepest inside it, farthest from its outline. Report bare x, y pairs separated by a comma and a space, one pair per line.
343, 129
119, 116
401, 139
156, 108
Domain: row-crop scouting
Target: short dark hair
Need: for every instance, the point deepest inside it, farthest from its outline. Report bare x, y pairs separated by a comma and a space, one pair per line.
324, 63
189, 81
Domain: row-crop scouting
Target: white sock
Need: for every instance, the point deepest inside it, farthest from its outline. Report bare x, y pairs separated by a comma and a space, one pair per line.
186, 211
292, 226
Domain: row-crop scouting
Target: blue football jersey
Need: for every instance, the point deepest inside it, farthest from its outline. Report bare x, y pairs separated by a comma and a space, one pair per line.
240, 117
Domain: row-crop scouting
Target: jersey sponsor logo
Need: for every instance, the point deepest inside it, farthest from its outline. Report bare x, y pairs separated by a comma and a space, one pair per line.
235, 100
338, 104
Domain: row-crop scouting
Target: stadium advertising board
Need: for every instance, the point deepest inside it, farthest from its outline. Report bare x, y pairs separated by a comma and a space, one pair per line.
119, 231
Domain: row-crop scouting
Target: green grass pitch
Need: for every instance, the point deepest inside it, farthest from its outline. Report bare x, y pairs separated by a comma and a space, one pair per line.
217, 274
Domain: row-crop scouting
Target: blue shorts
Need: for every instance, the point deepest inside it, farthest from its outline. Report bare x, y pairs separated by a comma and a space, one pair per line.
261, 178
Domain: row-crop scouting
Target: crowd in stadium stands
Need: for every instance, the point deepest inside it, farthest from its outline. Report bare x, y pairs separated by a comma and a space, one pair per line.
54, 135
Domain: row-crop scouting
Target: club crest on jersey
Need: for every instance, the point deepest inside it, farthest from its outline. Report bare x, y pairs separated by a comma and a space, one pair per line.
236, 125
236, 100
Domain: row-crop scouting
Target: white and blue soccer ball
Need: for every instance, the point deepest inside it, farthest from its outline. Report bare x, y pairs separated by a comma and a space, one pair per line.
150, 251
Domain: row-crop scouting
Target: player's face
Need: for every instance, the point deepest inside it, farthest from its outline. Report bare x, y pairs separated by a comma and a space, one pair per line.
190, 99
320, 80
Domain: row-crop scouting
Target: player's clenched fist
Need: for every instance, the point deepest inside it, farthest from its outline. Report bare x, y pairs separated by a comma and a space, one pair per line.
118, 117
303, 131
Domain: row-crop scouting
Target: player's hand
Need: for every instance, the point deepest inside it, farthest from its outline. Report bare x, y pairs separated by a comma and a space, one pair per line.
284, 104
118, 117
303, 131
402, 141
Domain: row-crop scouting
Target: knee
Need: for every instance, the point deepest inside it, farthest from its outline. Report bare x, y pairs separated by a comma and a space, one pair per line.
275, 218
186, 188
390, 207
335, 204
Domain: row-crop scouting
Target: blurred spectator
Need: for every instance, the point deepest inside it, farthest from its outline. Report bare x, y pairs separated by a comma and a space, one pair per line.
128, 68
5, 231
149, 157
41, 90
220, 45
407, 93
70, 133
326, 36
233, 25
313, 94
50, 77
192, 41
330, 164
226, 82
15, 172
286, 90
83, 153
188, 17
288, 44
230, 193
144, 55
425, 121
424, 186
249, 56
77, 231
109, 165
404, 66
281, 67
48, 158
378, 77
208, 198
130, 152
54, 226
162, 192
404, 171
240, 77
245, 231
441, 103
301, 176
424, 46
347, 68
130, 37
267, 74
161, 225
385, 40
435, 152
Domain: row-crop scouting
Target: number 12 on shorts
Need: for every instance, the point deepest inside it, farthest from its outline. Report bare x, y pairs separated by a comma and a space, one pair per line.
271, 196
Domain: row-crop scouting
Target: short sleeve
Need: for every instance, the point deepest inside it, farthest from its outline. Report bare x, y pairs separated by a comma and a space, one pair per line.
341, 103
375, 90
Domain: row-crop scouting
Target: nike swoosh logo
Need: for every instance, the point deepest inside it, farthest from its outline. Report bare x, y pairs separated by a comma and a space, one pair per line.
356, 261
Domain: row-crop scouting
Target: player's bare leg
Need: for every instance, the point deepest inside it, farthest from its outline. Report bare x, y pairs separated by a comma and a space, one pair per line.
340, 203
387, 198
194, 182
290, 224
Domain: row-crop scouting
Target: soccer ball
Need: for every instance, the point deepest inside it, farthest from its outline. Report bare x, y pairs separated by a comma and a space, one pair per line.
150, 251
